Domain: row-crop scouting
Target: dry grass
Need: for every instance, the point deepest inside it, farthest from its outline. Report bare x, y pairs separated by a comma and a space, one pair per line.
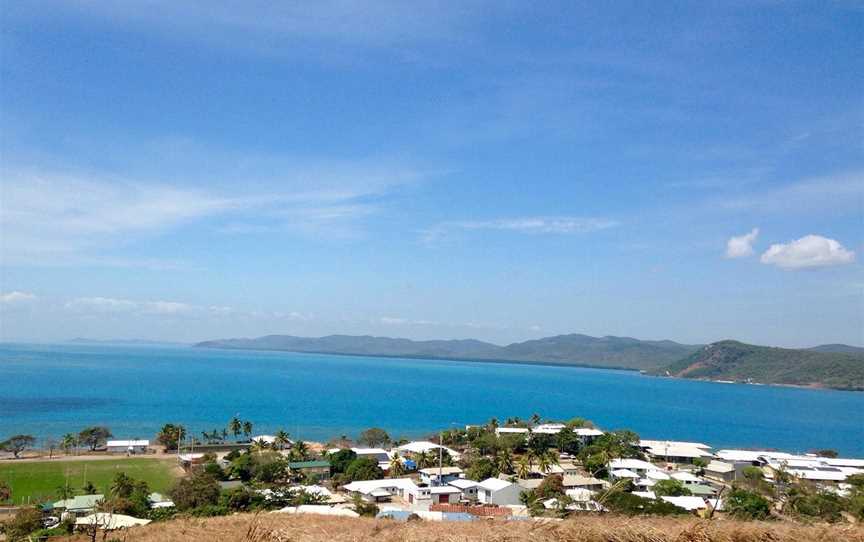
283, 528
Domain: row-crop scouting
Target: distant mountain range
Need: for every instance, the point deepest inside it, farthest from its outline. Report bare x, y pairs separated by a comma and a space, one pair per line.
574, 349
829, 366
833, 365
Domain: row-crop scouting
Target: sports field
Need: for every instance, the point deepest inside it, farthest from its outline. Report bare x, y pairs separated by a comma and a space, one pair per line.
38, 480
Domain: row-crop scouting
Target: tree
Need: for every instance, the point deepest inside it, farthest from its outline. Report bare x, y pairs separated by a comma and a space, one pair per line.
93, 437
551, 486
5, 492
826, 453
235, 426
17, 444
523, 467
364, 508
89, 489
363, 468
535, 419
743, 504
67, 443
122, 486
670, 488
199, 489
282, 441
170, 436
374, 437
397, 468
65, 492
577, 423
340, 460
247, 428
23, 523
481, 469
299, 451
504, 461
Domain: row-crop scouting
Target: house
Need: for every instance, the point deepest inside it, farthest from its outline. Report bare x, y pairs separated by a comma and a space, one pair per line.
445, 494
110, 522
127, 446
686, 478
549, 428
497, 491
675, 451
384, 490
417, 447
720, 471
689, 503
512, 431
157, 500
637, 466
79, 505
568, 468
434, 476
590, 483
378, 454
468, 488
319, 469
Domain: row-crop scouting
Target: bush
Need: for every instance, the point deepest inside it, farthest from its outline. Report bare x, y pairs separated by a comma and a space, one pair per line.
481, 469
238, 499
670, 488
25, 522
744, 504
214, 470
363, 468
195, 491
821, 505
551, 486
633, 505
208, 511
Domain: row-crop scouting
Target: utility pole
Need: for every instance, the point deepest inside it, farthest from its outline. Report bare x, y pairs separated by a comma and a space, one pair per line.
440, 456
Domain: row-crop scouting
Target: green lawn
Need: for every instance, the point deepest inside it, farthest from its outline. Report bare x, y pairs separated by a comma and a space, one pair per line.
38, 481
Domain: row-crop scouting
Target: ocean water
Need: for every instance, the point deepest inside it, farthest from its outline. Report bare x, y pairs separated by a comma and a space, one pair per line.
49, 390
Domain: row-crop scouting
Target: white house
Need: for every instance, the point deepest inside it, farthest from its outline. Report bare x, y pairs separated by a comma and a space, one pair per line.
549, 428
674, 451
512, 431
434, 476
636, 466
689, 503
497, 491
424, 446
127, 446
467, 487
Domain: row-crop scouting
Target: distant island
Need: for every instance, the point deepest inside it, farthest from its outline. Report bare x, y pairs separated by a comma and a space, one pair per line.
836, 366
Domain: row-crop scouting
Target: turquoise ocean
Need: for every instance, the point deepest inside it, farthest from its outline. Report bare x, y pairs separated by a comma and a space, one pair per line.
50, 390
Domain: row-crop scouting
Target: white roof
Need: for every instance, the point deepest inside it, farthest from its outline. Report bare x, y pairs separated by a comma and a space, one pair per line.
750, 455
587, 432
648, 443
368, 486
463, 483
580, 494
636, 464
444, 489
433, 471
319, 509
720, 466
125, 443
549, 428
110, 522
686, 477
420, 446
624, 473
370, 451
645, 482
657, 475
686, 502
269, 439
677, 451
645, 494
511, 430
494, 484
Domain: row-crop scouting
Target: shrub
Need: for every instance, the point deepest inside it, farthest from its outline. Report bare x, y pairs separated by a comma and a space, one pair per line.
363, 468
633, 505
25, 522
744, 504
195, 491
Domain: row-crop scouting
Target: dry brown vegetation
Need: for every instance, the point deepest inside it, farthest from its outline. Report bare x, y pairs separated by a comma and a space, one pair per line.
282, 528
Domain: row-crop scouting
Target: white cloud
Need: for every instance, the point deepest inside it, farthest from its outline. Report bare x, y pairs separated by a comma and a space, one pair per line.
741, 246
809, 251
562, 225
16, 297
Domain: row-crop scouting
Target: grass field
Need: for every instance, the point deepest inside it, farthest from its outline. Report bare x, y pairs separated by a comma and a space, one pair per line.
38, 480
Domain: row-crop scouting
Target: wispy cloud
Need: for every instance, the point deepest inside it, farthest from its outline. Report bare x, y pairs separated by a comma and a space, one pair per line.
836, 192
537, 225
52, 218
741, 246
808, 252
16, 297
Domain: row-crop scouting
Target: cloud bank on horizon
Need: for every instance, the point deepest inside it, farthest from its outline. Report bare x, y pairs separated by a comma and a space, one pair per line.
433, 169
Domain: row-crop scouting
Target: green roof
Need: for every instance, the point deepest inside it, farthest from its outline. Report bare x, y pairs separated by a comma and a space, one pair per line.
309, 464
700, 489
79, 502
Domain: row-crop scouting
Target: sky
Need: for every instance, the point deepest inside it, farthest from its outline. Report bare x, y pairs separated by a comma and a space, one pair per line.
182, 171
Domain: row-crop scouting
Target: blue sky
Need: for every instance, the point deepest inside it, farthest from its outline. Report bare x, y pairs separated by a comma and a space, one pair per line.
504, 171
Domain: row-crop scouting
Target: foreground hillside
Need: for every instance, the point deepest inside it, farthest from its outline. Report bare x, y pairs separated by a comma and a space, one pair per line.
732, 360
573, 349
284, 528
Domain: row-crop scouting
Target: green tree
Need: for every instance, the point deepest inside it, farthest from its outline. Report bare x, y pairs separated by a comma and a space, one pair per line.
68, 442
397, 468
95, 436
340, 460
551, 487
65, 492
282, 439
299, 451
247, 429
5, 492
235, 426
24, 522
743, 504
17, 444
481, 469
170, 435
670, 488
523, 467
532, 502
363, 468
504, 461
89, 489
374, 437
122, 486
199, 489
364, 508
578, 423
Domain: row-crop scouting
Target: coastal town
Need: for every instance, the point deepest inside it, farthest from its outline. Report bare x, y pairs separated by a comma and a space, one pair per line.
516, 469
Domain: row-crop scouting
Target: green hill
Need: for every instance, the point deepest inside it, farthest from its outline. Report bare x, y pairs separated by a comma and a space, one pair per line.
736, 361
573, 349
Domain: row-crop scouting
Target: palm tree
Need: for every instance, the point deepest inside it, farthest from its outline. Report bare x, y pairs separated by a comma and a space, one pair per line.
543, 463
247, 428
300, 452
259, 445
397, 468
535, 419
523, 467
282, 439
235, 426
68, 442
505, 461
